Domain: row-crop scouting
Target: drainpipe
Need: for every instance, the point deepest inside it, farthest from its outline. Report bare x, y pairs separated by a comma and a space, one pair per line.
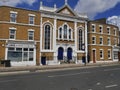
86, 43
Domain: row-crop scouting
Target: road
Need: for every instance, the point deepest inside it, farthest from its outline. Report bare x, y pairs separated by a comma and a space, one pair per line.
97, 78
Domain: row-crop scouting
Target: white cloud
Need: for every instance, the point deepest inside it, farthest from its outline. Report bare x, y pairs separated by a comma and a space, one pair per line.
93, 7
16, 2
115, 20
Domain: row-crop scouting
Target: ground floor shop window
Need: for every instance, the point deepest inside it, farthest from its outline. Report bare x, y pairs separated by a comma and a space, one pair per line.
115, 54
20, 54
14, 56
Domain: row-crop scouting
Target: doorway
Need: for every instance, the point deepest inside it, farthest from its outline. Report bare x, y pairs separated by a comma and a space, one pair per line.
94, 56
60, 53
43, 60
69, 53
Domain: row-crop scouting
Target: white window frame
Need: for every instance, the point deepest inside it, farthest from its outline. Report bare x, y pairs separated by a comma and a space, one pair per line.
12, 34
67, 37
59, 33
109, 42
102, 54
109, 50
94, 40
115, 41
93, 29
100, 29
115, 31
33, 16
81, 48
15, 18
50, 36
66, 32
71, 34
100, 40
30, 30
22, 50
109, 30
115, 55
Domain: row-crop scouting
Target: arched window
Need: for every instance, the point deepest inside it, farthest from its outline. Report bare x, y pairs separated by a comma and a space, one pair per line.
70, 34
80, 39
65, 31
47, 37
60, 33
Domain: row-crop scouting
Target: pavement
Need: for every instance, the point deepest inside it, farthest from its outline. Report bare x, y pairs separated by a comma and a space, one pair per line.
23, 69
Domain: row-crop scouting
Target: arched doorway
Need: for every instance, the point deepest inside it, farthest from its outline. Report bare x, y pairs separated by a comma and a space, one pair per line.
69, 53
60, 53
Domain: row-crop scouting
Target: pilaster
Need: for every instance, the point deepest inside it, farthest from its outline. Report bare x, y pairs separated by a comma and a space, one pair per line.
54, 39
86, 42
75, 35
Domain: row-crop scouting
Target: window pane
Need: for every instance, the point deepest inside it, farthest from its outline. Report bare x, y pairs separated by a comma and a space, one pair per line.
80, 39
13, 17
101, 54
25, 56
25, 49
65, 31
12, 37
31, 49
109, 54
18, 49
12, 31
115, 55
108, 30
47, 37
100, 29
11, 49
30, 56
31, 20
15, 56
31, 35
101, 40
12, 34
93, 40
108, 41
93, 28
69, 33
60, 33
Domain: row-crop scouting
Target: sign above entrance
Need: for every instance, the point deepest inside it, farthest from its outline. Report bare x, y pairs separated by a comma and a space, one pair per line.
20, 45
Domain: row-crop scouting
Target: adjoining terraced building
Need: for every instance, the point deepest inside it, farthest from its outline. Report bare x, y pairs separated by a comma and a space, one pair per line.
103, 41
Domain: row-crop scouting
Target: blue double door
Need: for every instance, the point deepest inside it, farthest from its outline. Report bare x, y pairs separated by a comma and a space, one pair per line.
61, 53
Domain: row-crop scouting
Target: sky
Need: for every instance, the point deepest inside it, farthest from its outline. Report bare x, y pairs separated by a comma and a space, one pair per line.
95, 9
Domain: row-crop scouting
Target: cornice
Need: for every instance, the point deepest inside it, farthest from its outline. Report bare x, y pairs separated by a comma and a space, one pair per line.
54, 14
23, 24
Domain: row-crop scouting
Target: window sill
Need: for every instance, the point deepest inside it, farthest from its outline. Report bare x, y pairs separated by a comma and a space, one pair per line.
65, 39
13, 22
12, 39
